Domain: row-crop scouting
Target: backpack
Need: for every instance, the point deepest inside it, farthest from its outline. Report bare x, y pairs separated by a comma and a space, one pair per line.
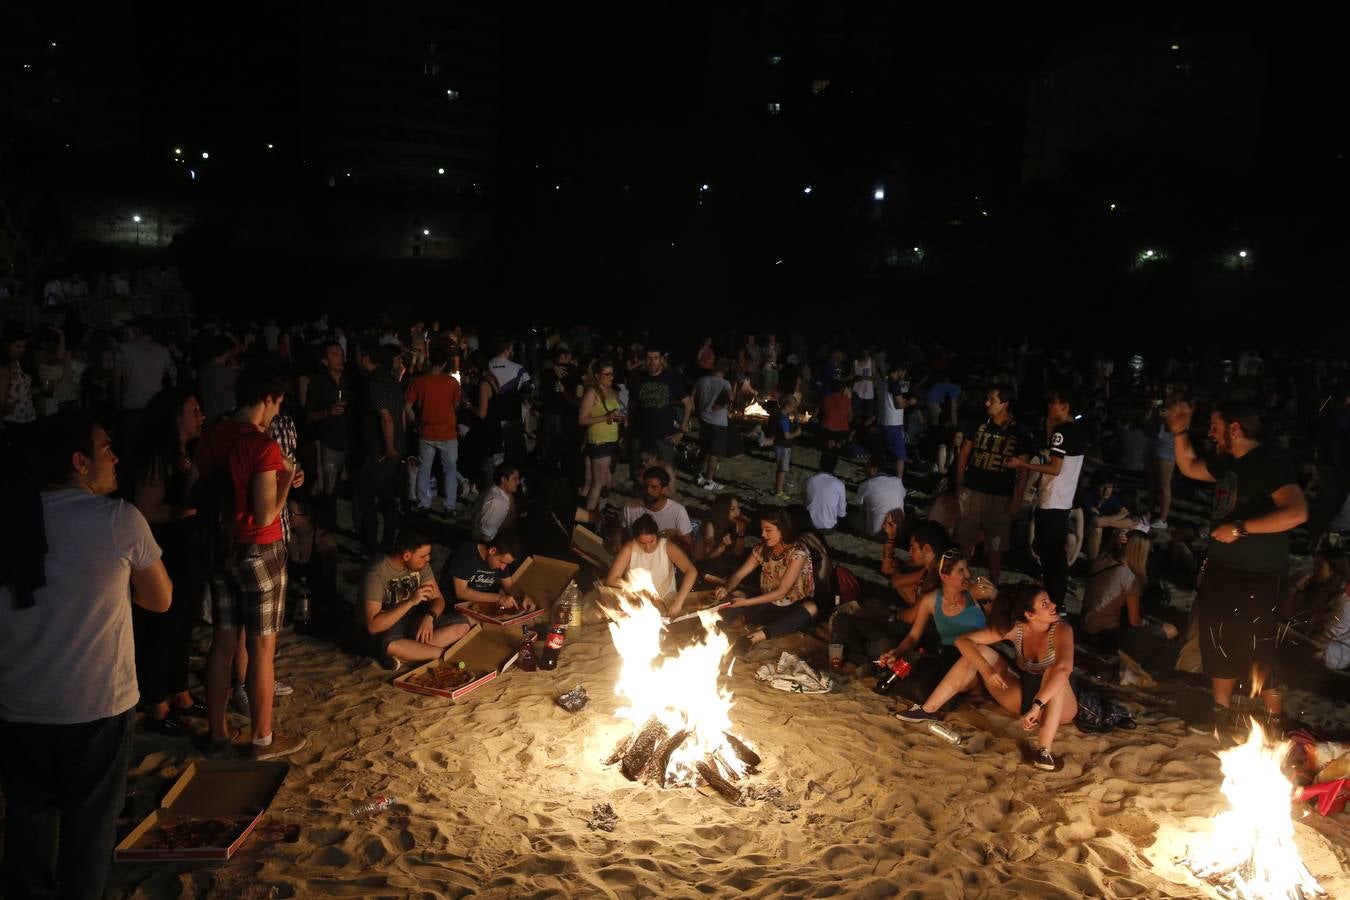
1098, 715
847, 584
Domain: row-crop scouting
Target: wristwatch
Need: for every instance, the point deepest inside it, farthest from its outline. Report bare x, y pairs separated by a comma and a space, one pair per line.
1240, 529
1037, 701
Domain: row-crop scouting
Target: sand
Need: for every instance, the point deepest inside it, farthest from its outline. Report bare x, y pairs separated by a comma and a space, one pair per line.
493, 793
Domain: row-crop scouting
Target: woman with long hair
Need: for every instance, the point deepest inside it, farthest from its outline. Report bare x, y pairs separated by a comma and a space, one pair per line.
787, 584
1036, 687
720, 539
955, 607
174, 421
600, 413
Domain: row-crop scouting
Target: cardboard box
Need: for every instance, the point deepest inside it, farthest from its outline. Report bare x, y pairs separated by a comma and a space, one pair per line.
541, 577
482, 650
695, 603
207, 789
590, 547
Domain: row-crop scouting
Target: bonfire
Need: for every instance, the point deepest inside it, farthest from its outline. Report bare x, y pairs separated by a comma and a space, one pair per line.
1250, 854
678, 712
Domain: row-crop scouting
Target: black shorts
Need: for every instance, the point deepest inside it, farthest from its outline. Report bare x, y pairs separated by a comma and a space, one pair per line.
602, 451
713, 438
378, 644
1031, 686
1238, 621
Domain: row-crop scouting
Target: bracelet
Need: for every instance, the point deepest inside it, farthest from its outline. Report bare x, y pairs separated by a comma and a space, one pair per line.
1037, 702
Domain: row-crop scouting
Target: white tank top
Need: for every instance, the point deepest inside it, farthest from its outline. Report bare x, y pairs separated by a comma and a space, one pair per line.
658, 564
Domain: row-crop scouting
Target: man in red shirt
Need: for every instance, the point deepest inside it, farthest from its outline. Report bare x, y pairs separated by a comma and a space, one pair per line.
430, 402
249, 596
836, 411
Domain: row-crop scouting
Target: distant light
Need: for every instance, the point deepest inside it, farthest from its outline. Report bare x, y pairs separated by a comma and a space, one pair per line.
269, 146
774, 107
1176, 46
916, 249
779, 263
1112, 206
440, 171
774, 58
879, 194
807, 189
426, 232
1148, 254
193, 174
557, 187
452, 93
703, 187
983, 212
136, 219
177, 151
53, 43
205, 155
27, 66
1242, 254
349, 174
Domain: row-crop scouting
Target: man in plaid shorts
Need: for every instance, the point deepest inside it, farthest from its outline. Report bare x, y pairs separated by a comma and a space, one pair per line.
250, 595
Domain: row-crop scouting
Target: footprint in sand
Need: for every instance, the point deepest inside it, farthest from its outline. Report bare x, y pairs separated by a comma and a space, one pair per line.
333, 857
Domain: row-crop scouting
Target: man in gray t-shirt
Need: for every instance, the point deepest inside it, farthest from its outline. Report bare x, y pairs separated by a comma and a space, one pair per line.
68, 678
402, 608
712, 398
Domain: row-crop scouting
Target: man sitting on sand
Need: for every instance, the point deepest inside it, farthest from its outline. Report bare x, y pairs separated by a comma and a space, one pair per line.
403, 609
478, 572
670, 515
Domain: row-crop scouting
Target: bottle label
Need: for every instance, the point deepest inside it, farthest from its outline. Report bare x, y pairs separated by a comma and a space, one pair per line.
555, 640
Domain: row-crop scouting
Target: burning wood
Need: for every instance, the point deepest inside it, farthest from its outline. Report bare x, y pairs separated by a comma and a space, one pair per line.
679, 711
1251, 854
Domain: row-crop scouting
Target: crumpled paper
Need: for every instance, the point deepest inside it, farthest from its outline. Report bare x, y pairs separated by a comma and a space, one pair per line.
603, 817
793, 675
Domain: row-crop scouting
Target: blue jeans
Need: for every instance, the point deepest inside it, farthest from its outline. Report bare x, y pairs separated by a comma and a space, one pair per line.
426, 453
63, 787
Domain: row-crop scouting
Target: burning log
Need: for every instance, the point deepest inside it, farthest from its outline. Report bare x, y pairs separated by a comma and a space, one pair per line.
718, 783
746, 755
643, 746
619, 750
661, 759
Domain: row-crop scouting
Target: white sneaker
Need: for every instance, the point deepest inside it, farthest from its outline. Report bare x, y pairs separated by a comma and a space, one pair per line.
702, 482
712, 486
282, 689
1161, 523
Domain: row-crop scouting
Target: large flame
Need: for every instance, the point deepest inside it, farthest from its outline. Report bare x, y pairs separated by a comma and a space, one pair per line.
1251, 850
755, 410
681, 691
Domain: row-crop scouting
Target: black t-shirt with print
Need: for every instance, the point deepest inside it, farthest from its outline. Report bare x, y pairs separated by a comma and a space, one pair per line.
990, 445
1242, 489
466, 563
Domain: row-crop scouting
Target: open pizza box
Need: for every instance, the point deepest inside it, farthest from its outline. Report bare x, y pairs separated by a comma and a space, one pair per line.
590, 547
484, 652
222, 800
542, 578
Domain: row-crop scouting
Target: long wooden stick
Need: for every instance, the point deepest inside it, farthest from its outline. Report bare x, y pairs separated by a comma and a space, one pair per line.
656, 770
643, 746
718, 783
746, 755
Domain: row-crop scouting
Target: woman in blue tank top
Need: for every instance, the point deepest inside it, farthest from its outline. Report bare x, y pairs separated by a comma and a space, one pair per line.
955, 608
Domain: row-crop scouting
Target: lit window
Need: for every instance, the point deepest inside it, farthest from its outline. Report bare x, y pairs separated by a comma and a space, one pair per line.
774, 58
774, 107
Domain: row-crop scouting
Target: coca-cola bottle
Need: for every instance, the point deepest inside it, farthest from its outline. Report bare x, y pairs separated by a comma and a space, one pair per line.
526, 661
899, 668
553, 643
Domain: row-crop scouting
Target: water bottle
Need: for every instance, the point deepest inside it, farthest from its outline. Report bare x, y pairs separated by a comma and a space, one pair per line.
300, 618
572, 598
377, 804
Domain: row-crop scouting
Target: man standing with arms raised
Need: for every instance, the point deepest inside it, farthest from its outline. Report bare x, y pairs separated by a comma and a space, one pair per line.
1257, 502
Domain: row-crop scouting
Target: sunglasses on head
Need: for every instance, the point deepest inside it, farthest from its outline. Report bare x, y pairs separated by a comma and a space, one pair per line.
949, 559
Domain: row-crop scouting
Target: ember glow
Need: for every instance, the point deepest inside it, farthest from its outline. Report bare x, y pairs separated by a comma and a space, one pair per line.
1251, 854
681, 691
755, 410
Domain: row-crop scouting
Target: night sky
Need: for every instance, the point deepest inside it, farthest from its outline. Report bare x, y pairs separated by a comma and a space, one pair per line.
578, 142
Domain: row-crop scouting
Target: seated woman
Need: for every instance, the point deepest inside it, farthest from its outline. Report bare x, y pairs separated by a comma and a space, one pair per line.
659, 557
1116, 585
955, 607
786, 583
1039, 689
720, 540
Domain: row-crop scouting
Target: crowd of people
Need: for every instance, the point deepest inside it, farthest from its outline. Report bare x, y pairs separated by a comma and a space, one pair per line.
161, 475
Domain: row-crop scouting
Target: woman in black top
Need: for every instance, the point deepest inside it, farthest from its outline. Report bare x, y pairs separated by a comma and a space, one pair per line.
174, 421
